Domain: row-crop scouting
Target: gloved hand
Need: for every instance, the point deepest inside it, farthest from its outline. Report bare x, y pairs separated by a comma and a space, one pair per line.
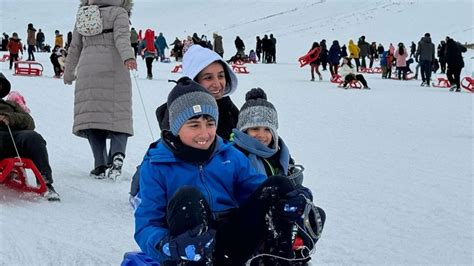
291, 207
192, 245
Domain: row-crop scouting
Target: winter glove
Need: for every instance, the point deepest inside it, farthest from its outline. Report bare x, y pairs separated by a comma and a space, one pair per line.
292, 206
192, 245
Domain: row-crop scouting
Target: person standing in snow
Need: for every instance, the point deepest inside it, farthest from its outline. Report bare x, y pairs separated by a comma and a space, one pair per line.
202, 201
257, 137
354, 53
148, 51
40, 41
134, 41
218, 45
161, 45
455, 63
31, 41
425, 55
314, 66
401, 56
363, 50
334, 57
29, 143
14, 46
100, 66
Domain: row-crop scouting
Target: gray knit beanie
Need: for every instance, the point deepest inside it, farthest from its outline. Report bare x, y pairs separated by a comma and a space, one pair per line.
258, 112
188, 99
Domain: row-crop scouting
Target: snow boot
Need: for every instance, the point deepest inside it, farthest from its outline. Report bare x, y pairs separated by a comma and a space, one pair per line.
99, 172
51, 194
116, 169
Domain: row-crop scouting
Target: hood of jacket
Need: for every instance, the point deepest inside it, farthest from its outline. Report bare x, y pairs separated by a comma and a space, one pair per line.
426, 39
197, 58
125, 4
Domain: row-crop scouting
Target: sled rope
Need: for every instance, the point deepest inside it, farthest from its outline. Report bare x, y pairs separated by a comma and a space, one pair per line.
14, 144
143, 105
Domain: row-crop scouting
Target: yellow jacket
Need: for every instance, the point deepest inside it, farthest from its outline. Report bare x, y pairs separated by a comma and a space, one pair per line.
58, 40
353, 50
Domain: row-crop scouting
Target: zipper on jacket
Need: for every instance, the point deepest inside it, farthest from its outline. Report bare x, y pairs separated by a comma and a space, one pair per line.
201, 171
272, 169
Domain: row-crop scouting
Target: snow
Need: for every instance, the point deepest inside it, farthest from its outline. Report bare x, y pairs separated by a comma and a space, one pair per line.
391, 166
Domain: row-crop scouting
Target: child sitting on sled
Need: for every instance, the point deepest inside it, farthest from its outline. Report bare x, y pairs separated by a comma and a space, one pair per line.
30, 144
257, 137
201, 200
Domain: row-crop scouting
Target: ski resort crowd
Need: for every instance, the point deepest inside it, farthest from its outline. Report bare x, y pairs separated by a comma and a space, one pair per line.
219, 186
447, 56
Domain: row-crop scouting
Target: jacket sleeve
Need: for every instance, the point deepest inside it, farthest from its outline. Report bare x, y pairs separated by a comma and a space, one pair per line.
150, 216
247, 178
74, 52
122, 36
19, 119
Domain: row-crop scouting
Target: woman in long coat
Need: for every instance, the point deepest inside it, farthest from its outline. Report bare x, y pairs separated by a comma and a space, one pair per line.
100, 65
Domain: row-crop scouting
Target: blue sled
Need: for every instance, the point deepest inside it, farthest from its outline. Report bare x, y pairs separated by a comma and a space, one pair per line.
138, 259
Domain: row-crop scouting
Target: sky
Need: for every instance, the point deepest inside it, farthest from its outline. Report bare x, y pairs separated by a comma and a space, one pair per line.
391, 166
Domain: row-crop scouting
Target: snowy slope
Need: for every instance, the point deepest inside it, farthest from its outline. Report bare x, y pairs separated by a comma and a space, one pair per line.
391, 166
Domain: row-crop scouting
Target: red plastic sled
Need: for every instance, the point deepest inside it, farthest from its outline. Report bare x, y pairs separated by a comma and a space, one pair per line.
355, 84
367, 70
28, 68
240, 69
177, 69
309, 57
468, 84
5, 58
442, 83
336, 79
19, 180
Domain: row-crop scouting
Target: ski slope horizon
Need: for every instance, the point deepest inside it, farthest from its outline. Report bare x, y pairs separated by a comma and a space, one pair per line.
391, 166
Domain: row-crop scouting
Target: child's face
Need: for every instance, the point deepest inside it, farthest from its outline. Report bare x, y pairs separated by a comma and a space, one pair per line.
198, 133
212, 78
262, 134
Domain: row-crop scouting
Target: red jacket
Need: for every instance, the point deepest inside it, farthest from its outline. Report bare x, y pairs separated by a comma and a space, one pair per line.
14, 45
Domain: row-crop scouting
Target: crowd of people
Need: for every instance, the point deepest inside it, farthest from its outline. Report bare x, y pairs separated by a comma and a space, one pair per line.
239, 192
391, 60
220, 184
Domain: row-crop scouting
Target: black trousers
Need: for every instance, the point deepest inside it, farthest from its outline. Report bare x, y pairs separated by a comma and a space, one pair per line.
31, 145
426, 69
358, 77
149, 65
31, 54
240, 231
454, 76
13, 58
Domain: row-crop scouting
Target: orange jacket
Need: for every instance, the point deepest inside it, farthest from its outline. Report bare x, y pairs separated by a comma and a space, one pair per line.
14, 45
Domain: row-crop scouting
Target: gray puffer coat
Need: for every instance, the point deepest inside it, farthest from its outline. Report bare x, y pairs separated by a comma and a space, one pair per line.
103, 93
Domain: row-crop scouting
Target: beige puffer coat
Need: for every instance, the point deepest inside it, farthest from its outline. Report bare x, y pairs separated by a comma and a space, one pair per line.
103, 93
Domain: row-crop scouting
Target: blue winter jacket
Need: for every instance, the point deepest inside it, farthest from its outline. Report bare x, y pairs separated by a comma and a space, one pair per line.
334, 54
226, 180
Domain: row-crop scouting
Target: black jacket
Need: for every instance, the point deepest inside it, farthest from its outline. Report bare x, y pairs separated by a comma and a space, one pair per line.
454, 52
228, 117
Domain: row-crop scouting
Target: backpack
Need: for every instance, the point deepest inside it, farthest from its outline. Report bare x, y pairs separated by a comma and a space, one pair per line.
89, 21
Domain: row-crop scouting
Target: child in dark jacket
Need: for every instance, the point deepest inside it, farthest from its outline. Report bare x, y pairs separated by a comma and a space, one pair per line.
202, 201
55, 54
257, 137
29, 143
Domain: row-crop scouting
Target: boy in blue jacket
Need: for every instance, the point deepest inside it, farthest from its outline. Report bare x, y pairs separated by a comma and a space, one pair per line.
201, 200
